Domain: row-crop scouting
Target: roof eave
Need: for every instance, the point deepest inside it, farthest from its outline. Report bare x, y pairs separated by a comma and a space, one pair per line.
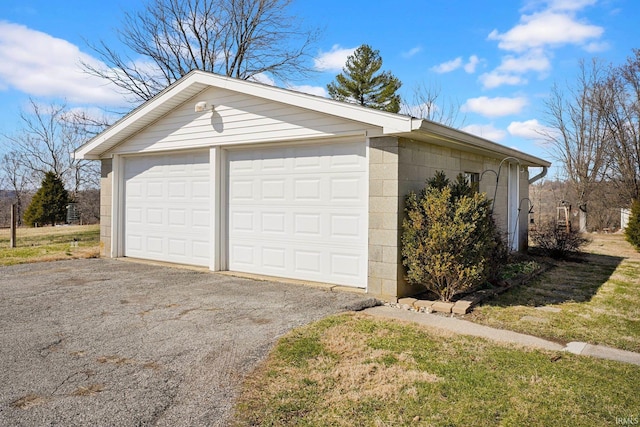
457, 138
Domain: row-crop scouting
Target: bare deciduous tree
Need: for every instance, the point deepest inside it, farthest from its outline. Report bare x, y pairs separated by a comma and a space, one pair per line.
46, 142
579, 139
237, 38
427, 103
619, 100
16, 179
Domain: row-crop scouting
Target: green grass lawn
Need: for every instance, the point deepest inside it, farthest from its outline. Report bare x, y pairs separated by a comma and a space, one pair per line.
49, 244
596, 300
354, 370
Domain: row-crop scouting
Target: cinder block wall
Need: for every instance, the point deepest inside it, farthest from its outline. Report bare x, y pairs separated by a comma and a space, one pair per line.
398, 166
384, 268
106, 175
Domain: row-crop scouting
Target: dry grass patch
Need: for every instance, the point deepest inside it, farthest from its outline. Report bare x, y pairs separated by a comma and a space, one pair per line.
50, 244
356, 370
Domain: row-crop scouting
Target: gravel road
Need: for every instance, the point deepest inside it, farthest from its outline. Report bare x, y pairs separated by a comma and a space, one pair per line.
112, 343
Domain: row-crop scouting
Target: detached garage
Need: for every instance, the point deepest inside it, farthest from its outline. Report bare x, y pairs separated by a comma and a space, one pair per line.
240, 176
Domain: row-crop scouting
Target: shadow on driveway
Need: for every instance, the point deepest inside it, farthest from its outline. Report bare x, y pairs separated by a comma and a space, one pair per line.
104, 342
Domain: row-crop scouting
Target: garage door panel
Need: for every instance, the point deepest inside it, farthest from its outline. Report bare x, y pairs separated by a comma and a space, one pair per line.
274, 258
349, 266
299, 212
273, 223
346, 227
167, 214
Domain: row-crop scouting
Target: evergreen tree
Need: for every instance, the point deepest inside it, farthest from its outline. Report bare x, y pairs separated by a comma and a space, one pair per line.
358, 83
49, 204
632, 232
450, 242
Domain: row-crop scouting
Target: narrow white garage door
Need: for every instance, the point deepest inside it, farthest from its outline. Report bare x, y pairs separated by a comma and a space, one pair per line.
167, 214
299, 212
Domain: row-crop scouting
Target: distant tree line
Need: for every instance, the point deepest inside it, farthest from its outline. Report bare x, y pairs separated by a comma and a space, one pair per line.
604, 208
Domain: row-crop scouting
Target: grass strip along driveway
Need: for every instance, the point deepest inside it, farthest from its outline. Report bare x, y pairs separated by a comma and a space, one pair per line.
50, 244
358, 370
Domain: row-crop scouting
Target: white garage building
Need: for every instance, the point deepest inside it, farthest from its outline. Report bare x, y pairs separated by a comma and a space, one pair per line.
240, 176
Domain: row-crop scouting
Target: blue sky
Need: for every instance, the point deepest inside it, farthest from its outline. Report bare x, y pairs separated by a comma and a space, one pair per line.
497, 59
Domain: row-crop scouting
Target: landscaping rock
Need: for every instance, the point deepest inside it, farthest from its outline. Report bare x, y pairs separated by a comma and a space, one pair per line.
442, 307
407, 303
462, 307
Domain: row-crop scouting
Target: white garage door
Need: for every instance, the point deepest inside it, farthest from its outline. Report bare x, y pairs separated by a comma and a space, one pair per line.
299, 212
167, 207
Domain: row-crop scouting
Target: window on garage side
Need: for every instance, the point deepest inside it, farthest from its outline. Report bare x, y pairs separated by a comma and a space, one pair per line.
473, 179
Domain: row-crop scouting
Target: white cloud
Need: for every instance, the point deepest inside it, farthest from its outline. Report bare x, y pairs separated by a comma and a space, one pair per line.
546, 28
41, 65
531, 129
470, 67
531, 61
312, 90
263, 78
333, 60
496, 78
447, 67
495, 107
489, 132
548, 24
512, 68
596, 47
412, 52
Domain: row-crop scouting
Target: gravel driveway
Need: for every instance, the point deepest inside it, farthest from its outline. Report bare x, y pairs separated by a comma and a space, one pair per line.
111, 343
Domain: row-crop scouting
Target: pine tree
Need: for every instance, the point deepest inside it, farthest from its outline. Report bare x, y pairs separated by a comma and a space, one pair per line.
49, 204
358, 83
632, 232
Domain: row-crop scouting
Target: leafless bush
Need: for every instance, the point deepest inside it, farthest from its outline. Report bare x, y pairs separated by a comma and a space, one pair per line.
558, 242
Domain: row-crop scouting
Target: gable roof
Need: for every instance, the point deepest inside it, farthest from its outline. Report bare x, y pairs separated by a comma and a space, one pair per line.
197, 81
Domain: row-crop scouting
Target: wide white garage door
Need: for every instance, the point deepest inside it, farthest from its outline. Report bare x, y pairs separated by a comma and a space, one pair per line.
167, 214
299, 212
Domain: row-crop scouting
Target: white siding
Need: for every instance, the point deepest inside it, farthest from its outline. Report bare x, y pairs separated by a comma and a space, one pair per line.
236, 119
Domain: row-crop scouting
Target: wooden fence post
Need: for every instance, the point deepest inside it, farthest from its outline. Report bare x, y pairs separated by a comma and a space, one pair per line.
14, 220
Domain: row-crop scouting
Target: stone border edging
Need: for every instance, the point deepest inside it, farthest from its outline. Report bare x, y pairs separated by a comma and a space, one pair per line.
466, 303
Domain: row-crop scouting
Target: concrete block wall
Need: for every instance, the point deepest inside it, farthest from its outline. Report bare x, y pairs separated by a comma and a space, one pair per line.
384, 236
106, 175
398, 166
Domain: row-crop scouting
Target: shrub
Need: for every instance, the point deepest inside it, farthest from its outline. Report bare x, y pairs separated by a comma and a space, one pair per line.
632, 232
557, 242
450, 243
